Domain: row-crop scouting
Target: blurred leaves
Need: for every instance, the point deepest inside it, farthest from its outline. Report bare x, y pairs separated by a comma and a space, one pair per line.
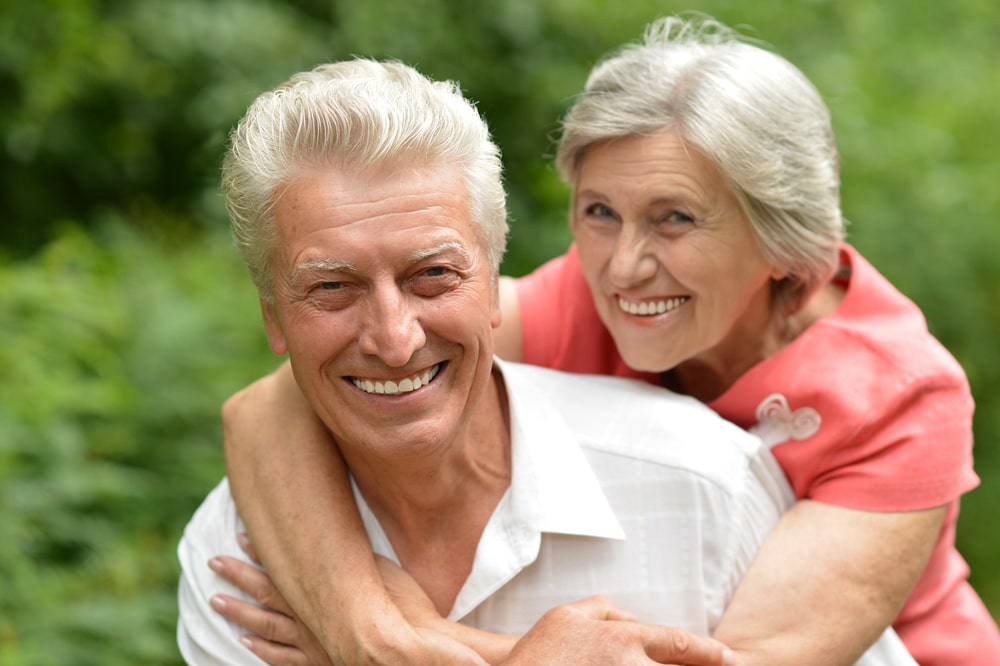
126, 318
119, 349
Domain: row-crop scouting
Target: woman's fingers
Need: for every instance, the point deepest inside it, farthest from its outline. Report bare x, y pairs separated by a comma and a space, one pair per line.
244, 540
280, 640
264, 622
250, 580
276, 654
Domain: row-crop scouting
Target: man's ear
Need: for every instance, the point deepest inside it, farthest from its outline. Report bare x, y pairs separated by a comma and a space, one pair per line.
272, 324
495, 311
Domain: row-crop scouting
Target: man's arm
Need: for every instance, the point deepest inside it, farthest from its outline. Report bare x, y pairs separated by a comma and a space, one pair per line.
826, 584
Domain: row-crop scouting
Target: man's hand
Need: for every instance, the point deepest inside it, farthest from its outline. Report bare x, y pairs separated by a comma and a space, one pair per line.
595, 631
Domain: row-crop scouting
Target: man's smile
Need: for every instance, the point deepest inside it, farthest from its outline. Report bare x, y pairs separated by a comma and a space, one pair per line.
395, 387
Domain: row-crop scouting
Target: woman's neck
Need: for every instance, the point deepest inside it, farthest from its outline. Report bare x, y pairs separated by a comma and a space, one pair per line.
707, 378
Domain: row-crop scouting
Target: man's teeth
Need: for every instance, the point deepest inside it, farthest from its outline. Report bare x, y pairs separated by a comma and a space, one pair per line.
650, 307
390, 387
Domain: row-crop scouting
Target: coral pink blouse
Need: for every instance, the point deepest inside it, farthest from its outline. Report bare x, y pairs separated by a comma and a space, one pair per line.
864, 410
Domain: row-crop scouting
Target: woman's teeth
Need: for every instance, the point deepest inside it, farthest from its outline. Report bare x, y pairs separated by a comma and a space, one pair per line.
651, 307
390, 387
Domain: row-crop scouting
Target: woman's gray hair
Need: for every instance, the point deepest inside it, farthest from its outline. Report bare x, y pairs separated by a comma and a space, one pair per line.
359, 114
751, 112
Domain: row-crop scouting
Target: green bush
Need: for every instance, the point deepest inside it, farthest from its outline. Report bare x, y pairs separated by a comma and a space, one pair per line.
123, 347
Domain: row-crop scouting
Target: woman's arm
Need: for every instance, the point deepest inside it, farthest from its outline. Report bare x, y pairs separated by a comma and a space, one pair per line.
592, 631
292, 490
280, 638
507, 341
826, 583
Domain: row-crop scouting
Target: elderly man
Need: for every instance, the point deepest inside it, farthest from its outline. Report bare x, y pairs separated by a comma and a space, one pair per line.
368, 205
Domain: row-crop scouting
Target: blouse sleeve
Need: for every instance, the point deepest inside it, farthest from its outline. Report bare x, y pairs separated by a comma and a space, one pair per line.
914, 452
542, 295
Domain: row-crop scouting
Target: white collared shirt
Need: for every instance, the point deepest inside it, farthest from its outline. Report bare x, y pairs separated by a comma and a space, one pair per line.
617, 488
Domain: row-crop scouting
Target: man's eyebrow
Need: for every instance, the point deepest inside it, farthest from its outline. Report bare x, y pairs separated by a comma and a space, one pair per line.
441, 248
325, 265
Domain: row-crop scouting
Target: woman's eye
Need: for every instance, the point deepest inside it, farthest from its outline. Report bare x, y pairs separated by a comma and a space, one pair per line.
598, 210
677, 217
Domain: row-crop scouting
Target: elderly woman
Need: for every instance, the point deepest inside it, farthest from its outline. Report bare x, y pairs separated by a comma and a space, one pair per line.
709, 258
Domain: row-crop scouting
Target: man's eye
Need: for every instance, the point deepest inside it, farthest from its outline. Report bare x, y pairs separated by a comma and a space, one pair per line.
434, 281
330, 286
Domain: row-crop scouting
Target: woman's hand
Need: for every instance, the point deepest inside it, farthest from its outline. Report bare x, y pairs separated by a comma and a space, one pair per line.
281, 639
590, 631
278, 637
595, 631
406, 593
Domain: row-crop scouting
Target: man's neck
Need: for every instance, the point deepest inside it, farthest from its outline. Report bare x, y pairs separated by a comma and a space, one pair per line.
434, 511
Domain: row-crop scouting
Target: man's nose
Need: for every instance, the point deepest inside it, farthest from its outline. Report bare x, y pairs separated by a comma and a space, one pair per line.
392, 332
632, 261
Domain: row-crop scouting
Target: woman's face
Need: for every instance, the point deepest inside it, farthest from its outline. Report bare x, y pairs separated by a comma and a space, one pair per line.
674, 269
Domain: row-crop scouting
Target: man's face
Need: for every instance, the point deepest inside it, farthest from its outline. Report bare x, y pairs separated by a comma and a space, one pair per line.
385, 302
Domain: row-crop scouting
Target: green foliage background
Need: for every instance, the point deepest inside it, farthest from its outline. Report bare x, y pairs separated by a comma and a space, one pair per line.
126, 318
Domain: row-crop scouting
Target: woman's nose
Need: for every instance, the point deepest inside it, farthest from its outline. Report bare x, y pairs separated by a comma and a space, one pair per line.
631, 263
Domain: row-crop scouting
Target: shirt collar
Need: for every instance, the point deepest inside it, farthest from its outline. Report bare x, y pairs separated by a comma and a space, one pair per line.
551, 479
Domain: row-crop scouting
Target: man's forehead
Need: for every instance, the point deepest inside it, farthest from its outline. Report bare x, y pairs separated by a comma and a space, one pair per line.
327, 215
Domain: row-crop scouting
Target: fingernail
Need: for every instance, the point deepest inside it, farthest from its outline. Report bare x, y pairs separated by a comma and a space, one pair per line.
728, 658
218, 603
246, 642
243, 539
216, 564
